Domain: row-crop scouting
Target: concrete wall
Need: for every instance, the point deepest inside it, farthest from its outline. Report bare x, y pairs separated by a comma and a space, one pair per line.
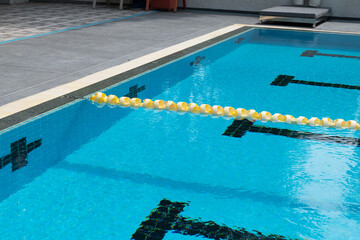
341, 8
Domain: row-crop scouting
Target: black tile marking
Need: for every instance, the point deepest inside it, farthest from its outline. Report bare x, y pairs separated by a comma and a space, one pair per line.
308, 53
159, 221
312, 53
166, 218
19, 154
134, 90
284, 80
197, 61
240, 39
57, 102
239, 128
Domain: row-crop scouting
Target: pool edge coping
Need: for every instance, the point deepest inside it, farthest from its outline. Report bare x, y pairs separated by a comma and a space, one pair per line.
29, 107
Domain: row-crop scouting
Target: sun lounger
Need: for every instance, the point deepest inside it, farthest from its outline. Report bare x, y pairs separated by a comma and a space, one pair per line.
295, 14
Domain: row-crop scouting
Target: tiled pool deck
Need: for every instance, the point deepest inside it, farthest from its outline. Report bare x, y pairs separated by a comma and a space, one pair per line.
60, 43
25, 20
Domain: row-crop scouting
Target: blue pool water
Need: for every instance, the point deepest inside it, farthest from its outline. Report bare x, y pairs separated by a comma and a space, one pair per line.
100, 172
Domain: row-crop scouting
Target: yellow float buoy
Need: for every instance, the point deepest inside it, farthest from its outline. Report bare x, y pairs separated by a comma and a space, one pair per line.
206, 109
265, 116
171, 106
241, 112
289, 119
92, 98
112, 100
98, 96
340, 123
301, 120
277, 117
102, 100
194, 108
326, 122
252, 114
147, 103
159, 104
182, 106
229, 112
314, 121
135, 102
351, 125
217, 110
125, 102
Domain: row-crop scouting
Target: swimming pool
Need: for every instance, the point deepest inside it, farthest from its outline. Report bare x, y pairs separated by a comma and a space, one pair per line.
98, 173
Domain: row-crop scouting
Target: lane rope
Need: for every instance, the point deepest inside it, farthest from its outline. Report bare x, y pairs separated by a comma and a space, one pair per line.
229, 112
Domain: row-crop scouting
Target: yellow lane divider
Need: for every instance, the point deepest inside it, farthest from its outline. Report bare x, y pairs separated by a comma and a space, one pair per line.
112, 101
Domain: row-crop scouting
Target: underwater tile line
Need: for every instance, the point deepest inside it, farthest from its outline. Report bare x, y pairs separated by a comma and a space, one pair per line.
19, 153
134, 90
239, 128
284, 80
197, 61
166, 218
312, 53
